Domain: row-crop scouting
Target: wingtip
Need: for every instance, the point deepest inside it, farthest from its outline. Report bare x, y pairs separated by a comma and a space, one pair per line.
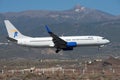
48, 30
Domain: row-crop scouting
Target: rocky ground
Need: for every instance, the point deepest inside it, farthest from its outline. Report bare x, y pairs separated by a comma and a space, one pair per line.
107, 69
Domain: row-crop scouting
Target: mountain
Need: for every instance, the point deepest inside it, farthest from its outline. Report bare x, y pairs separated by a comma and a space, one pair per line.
77, 13
77, 21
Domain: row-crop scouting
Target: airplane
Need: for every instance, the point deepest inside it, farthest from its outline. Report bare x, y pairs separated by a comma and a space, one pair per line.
64, 43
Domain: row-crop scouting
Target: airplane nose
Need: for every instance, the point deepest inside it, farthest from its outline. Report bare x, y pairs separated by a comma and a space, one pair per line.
107, 41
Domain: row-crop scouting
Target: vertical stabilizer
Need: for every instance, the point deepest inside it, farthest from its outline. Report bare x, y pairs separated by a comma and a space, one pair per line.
12, 31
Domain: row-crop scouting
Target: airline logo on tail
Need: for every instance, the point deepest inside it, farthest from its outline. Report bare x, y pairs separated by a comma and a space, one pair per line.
15, 33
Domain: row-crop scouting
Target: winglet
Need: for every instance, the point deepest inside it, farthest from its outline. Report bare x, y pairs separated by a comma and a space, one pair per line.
48, 30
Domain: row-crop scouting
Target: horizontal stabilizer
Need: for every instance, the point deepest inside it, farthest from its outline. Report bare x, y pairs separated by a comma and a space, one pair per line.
11, 39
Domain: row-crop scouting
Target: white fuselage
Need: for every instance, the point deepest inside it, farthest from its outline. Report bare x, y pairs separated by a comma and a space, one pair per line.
47, 41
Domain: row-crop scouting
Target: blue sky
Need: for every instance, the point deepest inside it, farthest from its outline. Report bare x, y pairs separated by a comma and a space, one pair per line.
109, 6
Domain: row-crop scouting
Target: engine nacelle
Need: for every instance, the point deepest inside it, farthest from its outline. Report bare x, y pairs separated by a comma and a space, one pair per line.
71, 44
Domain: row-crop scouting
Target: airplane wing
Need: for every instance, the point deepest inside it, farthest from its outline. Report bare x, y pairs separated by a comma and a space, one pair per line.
59, 43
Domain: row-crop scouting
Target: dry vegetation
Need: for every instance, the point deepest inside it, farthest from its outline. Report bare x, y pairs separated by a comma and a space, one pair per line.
108, 69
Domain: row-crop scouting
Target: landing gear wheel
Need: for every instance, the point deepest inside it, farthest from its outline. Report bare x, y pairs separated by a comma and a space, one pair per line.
57, 50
